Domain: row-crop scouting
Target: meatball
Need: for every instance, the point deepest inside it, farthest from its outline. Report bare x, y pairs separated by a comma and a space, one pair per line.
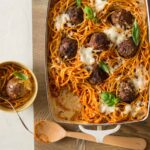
99, 41
15, 88
68, 48
75, 14
122, 17
98, 75
127, 48
127, 91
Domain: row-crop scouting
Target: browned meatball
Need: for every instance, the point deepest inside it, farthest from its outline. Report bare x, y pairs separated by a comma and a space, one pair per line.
68, 48
15, 88
97, 75
75, 14
127, 92
127, 48
122, 17
99, 41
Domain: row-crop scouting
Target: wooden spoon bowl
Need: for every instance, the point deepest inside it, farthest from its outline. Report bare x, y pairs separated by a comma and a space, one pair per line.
48, 132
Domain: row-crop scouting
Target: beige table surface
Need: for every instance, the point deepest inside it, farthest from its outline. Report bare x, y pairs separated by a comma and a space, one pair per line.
41, 105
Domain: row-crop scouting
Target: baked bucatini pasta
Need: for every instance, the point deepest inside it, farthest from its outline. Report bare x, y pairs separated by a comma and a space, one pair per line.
99, 60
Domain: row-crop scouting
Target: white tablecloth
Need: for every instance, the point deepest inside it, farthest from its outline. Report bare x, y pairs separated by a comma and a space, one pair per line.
16, 44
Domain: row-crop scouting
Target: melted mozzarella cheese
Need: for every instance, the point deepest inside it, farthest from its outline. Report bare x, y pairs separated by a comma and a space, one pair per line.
61, 20
86, 55
128, 109
111, 33
100, 4
106, 109
121, 38
114, 35
139, 81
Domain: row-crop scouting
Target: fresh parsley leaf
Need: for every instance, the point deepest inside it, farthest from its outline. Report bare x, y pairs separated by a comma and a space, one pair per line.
136, 33
116, 100
90, 14
78, 3
105, 96
104, 66
109, 98
110, 103
21, 75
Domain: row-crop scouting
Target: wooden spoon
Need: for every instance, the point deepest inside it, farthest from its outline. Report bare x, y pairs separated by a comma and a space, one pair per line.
47, 132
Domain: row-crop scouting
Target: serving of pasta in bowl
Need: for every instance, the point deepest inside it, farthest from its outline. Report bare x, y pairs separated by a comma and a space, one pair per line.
18, 86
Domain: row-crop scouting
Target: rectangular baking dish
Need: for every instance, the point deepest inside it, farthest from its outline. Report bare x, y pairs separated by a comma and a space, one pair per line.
50, 98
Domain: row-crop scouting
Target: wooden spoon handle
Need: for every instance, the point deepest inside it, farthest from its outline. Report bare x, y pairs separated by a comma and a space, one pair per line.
82, 136
125, 142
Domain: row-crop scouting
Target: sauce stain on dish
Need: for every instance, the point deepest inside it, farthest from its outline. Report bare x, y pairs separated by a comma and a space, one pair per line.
67, 105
